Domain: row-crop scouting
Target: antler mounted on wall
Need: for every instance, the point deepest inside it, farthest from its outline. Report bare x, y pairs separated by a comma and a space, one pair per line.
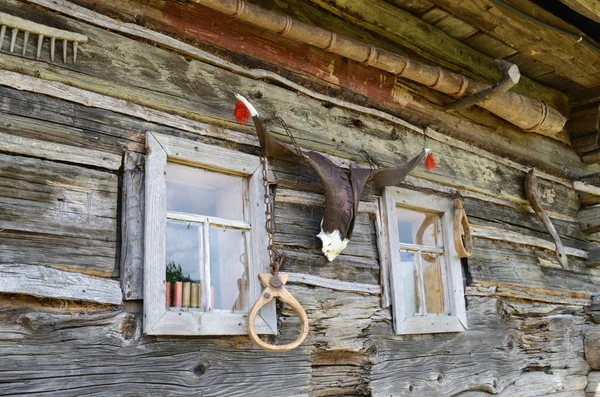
342, 193
17, 24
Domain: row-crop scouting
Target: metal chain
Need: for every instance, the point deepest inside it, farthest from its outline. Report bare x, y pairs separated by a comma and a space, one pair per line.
275, 257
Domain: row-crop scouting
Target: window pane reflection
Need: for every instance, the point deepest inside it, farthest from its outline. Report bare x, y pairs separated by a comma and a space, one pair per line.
183, 252
229, 278
432, 279
198, 191
419, 228
410, 283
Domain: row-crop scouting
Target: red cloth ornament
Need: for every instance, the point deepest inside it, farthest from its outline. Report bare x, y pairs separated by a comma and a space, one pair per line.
430, 161
241, 113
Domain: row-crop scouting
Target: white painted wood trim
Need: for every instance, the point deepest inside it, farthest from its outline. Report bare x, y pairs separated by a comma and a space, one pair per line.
453, 287
420, 248
157, 319
210, 220
417, 200
396, 286
259, 255
196, 323
430, 324
216, 158
155, 233
46, 282
384, 256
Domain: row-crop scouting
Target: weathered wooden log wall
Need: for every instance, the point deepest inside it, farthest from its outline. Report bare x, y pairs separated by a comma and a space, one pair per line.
64, 130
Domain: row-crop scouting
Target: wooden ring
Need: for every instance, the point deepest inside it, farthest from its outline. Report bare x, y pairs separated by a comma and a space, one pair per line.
284, 296
464, 250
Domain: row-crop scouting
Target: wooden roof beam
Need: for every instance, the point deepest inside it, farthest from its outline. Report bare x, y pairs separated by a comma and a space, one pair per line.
587, 8
563, 53
433, 44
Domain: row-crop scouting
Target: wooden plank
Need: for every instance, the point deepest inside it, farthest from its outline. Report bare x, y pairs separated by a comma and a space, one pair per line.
593, 258
568, 57
498, 355
518, 238
589, 219
488, 45
518, 292
58, 215
132, 227
93, 345
334, 284
45, 282
588, 8
155, 209
453, 26
53, 151
496, 261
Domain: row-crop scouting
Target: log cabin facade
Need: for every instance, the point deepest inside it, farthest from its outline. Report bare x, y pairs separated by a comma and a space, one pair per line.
111, 111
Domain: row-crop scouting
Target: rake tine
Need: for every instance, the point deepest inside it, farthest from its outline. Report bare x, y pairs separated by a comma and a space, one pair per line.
25, 39
52, 45
39, 46
13, 39
2, 33
75, 52
65, 43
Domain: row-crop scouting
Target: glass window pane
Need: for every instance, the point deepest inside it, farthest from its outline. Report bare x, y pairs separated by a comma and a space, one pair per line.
433, 281
198, 191
228, 270
415, 227
183, 252
410, 283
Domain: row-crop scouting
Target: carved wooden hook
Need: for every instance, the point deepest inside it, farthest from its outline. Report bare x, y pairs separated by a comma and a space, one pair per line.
268, 294
464, 250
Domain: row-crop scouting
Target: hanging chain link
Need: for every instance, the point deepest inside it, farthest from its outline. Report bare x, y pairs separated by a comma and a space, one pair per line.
275, 257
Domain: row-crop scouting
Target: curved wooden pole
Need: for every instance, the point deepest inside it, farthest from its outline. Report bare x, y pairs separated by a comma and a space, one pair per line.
530, 191
268, 294
464, 250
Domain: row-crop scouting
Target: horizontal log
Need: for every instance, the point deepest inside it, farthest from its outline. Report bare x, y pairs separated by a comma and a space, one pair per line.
589, 219
493, 233
45, 282
53, 151
593, 258
504, 348
514, 29
334, 284
496, 261
58, 214
588, 8
518, 292
517, 146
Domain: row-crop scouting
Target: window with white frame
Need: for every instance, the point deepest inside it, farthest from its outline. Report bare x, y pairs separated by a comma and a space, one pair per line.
425, 271
205, 239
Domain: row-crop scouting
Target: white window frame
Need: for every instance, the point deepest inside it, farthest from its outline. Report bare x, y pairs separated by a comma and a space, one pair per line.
456, 320
158, 320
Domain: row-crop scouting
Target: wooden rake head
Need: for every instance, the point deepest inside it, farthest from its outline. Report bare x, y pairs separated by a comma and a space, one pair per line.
16, 24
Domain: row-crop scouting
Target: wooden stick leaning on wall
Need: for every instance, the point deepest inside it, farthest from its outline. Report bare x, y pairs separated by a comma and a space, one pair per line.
530, 191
